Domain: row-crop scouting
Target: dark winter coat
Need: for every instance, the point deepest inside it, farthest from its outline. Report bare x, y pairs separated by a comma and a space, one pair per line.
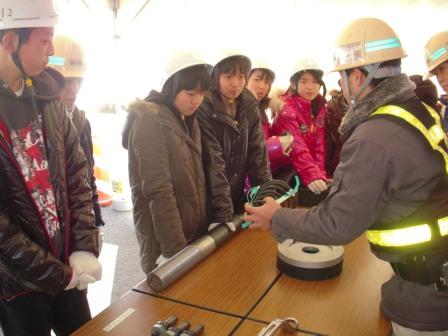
233, 149
166, 178
27, 259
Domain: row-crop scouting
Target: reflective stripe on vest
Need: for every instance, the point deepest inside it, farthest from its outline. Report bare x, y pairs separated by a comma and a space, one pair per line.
421, 233
435, 135
406, 236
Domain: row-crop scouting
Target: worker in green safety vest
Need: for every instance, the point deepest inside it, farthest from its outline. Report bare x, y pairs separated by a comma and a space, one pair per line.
391, 182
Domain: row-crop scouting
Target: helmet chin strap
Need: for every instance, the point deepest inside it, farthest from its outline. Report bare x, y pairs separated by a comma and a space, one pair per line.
18, 63
372, 70
371, 74
345, 88
15, 55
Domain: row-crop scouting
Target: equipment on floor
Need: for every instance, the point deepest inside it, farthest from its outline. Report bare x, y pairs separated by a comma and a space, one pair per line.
179, 264
309, 261
288, 325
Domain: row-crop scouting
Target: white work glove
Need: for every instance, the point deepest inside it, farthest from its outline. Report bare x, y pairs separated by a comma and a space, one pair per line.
317, 186
161, 260
83, 262
286, 142
84, 281
230, 225
74, 281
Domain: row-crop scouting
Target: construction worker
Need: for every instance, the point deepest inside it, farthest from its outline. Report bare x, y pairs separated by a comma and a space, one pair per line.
69, 60
48, 240
436, 57
392, 181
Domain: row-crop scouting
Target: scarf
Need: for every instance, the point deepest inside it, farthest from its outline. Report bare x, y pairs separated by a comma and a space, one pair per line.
387, 91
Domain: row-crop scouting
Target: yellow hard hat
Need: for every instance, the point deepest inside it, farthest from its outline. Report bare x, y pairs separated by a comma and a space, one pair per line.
436, 51
366, 41
68, 57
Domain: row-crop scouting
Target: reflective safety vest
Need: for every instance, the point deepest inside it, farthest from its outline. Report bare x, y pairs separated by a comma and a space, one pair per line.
423, 234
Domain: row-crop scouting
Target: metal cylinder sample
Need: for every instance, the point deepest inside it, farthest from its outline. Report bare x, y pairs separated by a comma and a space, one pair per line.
179, 264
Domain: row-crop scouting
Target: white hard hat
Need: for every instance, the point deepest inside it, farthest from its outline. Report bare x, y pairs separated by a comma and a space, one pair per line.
262, 64
182, 60
28, 14
306, 64
228, 53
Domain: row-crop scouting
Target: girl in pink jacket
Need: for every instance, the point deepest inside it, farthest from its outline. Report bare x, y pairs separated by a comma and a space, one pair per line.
304, 117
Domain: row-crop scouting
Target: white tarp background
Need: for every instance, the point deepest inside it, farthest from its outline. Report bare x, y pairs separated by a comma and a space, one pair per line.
279, 31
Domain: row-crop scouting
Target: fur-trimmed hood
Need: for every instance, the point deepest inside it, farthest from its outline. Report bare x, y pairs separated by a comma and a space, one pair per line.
137, 108
394, 89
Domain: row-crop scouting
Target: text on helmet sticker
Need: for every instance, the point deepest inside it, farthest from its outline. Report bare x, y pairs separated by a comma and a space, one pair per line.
5, 12
348, 54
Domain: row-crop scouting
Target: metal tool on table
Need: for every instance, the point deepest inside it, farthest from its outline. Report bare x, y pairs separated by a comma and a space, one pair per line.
278, 189
161, 327
288, 325
176, 331
196, 331
309, 261
179, 264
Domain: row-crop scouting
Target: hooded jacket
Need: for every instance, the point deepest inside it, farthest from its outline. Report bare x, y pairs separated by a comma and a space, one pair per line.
28, 261
387, 172
308, 154
166, 178
235, 148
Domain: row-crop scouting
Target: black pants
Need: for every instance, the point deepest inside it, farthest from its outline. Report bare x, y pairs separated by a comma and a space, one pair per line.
37, 314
